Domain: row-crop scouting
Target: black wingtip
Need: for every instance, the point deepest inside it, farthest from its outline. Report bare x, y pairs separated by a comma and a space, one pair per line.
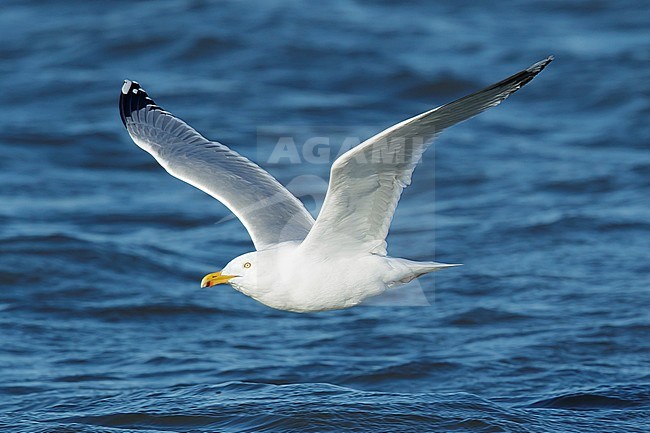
518, 80
539, 66
528, 74
133, 98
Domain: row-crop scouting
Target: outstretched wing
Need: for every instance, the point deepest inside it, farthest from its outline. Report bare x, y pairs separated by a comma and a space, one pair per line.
270, 213
367, 181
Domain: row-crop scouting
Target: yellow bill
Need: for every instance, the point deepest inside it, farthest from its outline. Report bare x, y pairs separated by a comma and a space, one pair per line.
215, 278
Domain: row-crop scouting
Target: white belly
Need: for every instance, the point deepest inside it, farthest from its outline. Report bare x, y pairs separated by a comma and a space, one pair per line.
306, 283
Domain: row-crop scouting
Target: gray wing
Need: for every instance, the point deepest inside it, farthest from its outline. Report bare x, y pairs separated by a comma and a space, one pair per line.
270, 213
367, 181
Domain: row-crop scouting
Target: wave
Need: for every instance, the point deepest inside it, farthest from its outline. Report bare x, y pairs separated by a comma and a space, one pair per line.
571, 223
622, 397
73, 252
255, 407
483, 316
260, 407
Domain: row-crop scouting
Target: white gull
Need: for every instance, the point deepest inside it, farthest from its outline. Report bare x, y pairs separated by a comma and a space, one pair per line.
300, 264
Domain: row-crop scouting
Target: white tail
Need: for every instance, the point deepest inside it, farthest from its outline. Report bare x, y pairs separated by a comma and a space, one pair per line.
411, 270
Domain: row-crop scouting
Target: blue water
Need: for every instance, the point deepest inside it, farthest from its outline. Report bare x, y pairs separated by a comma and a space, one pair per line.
544, 199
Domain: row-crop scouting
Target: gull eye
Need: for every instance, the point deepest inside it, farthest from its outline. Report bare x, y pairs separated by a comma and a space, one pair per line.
247, 265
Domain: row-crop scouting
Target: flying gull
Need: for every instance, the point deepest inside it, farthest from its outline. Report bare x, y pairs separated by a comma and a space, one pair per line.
301, 264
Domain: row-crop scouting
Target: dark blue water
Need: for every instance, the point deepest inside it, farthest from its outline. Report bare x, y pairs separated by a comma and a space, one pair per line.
544, 199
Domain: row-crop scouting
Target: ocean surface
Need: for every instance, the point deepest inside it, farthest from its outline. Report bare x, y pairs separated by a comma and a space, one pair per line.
544, 199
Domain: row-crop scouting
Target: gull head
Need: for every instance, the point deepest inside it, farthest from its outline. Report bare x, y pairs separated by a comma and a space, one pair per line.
242, 271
